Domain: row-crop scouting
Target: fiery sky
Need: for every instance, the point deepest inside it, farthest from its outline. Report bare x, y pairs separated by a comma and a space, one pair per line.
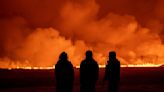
35, 32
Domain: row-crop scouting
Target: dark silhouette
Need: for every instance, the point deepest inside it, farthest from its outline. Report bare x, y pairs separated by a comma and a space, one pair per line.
112, 72
64, 73
89, 72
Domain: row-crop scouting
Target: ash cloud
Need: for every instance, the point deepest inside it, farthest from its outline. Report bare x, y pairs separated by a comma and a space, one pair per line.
33, 33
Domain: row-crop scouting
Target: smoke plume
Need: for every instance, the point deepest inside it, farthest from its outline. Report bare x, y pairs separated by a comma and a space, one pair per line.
34, 33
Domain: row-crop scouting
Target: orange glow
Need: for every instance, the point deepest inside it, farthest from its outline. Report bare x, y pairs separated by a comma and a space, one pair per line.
100, 66
33, 68
142, 65
34, 33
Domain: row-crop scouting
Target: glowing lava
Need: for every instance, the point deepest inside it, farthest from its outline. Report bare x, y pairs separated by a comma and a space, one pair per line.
100, 66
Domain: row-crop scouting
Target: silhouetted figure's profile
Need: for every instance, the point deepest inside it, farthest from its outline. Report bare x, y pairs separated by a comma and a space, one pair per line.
89, 72
112, 72
64, 73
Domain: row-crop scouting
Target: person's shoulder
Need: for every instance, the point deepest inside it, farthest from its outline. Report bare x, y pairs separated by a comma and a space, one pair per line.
57, 63
95, 62
83, 61
107, 65
70, 62
118, 62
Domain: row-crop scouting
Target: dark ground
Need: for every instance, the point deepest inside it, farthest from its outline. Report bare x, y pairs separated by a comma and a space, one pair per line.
132, 80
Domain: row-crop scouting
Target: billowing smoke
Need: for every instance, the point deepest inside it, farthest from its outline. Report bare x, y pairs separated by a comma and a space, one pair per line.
34, 33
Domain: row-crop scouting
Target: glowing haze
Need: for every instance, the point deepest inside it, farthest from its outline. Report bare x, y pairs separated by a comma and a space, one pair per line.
34, 32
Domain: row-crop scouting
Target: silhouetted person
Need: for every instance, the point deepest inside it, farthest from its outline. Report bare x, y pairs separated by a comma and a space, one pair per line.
112, 72
89, 72
64, 73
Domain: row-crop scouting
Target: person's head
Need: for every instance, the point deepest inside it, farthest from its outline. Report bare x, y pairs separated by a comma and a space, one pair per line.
88, 54
63, 56
112, 55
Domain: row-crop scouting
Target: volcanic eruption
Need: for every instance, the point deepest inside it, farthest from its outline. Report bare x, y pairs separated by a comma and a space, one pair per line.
34, 33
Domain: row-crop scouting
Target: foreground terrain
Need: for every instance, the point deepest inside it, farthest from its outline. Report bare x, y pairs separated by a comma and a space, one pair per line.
132, 80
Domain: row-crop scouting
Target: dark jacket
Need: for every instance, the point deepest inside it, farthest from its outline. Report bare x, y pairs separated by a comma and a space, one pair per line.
89, 71
112, 71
